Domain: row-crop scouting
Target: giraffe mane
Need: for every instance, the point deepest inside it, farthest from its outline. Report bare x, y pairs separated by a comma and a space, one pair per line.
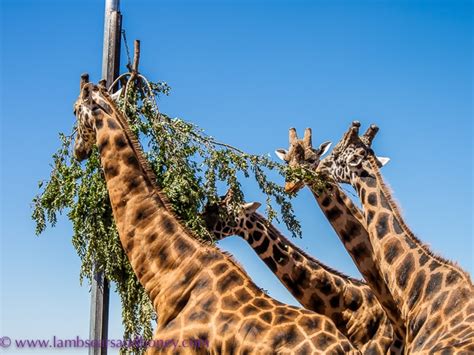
137, 149
396, 211
145, 165
274, 230
232, 259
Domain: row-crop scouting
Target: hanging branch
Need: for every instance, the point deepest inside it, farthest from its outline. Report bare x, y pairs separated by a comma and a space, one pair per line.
189, 165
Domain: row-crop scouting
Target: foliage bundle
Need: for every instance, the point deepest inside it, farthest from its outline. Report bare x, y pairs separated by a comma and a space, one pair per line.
189, 165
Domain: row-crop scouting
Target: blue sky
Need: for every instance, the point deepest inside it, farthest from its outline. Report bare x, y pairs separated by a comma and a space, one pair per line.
245, 71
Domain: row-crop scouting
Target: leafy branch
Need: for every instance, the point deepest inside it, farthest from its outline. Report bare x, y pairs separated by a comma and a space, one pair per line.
189, 165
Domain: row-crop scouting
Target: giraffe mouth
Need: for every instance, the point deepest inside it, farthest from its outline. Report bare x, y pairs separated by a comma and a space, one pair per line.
81, 155
293, 187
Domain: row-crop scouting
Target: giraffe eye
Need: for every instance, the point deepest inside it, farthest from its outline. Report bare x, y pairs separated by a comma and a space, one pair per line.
355, 160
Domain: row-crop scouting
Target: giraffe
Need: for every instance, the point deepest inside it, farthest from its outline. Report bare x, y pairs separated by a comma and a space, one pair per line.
198, 291
435, 296
345, 218
348, 302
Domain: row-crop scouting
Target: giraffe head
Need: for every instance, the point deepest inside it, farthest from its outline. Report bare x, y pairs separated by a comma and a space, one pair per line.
222, 221
89, 106
301, 154
85, 137
349, 157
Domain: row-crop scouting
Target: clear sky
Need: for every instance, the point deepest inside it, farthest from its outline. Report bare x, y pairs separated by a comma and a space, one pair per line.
245, 71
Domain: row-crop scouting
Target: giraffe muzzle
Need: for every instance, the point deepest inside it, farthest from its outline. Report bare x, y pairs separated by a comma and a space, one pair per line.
81, 155
292, 187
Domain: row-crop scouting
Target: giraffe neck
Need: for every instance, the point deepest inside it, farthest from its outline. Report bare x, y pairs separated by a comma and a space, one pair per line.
159, 248
349, 224
197, 291
348, 302
419, 281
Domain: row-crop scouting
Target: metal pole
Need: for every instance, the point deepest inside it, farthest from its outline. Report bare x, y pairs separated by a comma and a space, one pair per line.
99, 316
112, 32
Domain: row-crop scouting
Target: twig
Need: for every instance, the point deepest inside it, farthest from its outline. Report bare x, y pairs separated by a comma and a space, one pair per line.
136, 58
150, 90
74, 131
227, 146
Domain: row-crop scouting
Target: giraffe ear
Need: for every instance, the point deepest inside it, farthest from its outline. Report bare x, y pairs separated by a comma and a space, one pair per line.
281, 153
383, 160
323, 148
85, 93
116, 95
251, 206
84, 80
